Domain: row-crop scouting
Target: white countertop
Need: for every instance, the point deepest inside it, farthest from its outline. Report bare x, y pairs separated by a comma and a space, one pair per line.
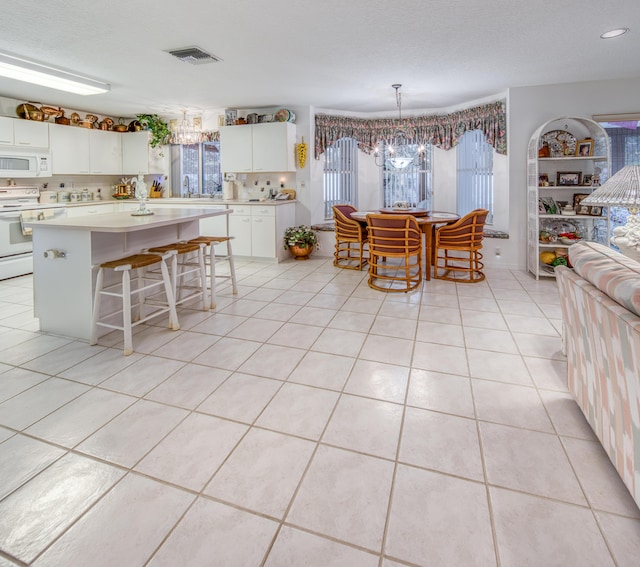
205, 201
126, 222
170, 201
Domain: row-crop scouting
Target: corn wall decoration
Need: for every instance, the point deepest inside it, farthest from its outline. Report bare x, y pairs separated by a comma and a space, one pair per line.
301, 152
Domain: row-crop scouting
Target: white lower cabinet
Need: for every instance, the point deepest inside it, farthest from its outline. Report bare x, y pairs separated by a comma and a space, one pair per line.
258, 229
263, 228
215, 226
240, 229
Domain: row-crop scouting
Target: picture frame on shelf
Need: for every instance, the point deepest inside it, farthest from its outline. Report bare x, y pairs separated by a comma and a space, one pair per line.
595, 211
566, 178
541, 208
587, 179
584, 148
230, 116
578, 206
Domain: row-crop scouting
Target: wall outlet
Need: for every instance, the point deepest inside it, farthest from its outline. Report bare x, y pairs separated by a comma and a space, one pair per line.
497, 252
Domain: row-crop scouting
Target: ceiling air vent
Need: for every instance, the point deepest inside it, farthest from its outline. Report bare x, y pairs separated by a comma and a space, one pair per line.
194, 55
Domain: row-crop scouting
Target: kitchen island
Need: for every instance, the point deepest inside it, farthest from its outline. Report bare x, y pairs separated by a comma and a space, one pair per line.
65, 251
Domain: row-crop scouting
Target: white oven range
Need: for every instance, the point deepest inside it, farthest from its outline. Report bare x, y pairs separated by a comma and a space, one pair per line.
18, 203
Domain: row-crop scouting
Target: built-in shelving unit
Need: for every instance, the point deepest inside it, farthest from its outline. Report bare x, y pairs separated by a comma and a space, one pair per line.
557, 176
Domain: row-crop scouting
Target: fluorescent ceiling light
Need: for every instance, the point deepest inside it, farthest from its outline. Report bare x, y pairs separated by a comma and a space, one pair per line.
31, 72
614, 33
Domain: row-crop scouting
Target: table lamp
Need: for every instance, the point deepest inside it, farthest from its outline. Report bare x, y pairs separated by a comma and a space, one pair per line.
622, 190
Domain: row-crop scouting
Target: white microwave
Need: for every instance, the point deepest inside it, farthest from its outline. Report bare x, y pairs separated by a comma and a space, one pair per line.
24, 163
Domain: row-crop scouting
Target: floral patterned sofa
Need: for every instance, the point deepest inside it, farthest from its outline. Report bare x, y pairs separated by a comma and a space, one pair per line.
600, 300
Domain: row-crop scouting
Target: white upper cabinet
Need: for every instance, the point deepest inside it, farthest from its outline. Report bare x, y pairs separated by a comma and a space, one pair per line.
105, 154
258, 147
27, 133
135, 153
139, 157
23, 133
236, 149
274, 147
77, 150
6, 131
70, 149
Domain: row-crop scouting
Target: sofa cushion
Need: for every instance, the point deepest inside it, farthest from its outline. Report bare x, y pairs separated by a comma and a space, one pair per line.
608, 270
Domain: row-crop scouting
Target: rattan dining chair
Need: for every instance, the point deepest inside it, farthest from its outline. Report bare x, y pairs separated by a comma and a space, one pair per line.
351, 238
395, 252
457, 249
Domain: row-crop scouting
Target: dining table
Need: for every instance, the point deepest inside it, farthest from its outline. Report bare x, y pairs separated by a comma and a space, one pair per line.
428, 221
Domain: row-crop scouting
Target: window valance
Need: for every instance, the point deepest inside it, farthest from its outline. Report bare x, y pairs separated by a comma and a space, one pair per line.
440, 130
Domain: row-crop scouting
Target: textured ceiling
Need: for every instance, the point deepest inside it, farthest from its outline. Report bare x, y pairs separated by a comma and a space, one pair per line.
335, 54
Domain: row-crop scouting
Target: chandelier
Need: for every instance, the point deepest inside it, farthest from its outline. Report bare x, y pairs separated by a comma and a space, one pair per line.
186, 132
399, 150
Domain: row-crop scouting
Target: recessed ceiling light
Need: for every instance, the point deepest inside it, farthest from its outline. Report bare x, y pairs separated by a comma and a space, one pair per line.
614, 33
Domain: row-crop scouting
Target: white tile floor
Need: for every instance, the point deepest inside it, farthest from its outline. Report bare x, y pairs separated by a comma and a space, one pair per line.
308, 421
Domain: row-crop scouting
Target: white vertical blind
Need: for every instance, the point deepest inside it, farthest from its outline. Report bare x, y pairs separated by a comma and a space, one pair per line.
624, 137
340, 175
474, 174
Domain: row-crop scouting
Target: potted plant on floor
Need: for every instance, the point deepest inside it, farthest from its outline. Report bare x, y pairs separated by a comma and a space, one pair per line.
300, 241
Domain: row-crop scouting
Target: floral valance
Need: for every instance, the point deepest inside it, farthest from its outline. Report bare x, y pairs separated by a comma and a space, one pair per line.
205, 136
441, 130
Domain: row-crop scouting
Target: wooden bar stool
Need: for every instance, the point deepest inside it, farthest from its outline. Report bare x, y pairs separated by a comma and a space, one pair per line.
145, 286
185, 269
211, 242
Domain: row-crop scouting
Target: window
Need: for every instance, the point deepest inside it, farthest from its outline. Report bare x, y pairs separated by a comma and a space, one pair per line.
624, 136
411, 184
195, 168
340, 175
474, 174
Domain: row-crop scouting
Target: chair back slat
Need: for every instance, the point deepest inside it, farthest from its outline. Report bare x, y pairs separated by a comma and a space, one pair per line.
395, 246
351, 238
458, 245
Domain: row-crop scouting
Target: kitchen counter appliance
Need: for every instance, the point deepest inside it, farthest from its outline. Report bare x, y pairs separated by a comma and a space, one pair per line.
18, 203
19, 163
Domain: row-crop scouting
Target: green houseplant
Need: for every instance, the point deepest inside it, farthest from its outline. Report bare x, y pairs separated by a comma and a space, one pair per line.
157, 126
300, 240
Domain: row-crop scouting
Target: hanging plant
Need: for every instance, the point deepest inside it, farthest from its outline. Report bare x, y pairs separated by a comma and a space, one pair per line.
157, 126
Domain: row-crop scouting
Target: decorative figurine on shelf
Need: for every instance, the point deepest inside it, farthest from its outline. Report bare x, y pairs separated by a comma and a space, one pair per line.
544, 151
142, 195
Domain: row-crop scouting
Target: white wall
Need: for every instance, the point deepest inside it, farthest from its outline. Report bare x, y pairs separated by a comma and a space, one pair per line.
528, 107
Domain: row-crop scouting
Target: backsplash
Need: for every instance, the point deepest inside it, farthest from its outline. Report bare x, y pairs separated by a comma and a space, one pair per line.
80, 182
